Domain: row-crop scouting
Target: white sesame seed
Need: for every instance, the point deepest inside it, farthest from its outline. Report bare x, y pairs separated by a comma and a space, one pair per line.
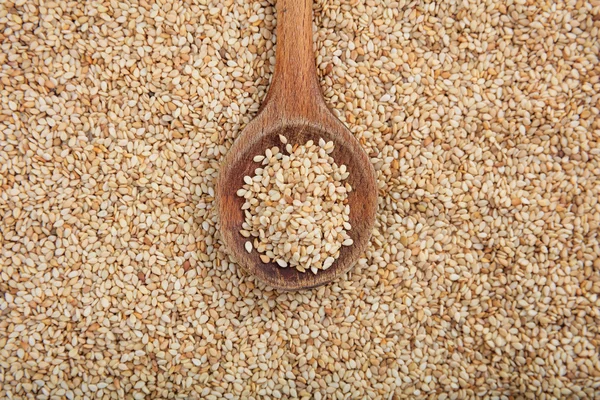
282, 263
268, 203
480, 119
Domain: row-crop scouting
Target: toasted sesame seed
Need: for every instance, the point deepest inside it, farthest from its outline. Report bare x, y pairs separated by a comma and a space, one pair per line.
297, 221
480, 118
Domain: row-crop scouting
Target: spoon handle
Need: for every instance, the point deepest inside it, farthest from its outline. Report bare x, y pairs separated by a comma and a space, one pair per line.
294, 90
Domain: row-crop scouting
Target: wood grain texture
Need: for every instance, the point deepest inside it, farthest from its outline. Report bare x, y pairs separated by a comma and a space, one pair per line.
295, 108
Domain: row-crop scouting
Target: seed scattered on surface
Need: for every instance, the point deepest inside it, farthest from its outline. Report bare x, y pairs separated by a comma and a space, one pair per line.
480, 118
299, 211
248, 246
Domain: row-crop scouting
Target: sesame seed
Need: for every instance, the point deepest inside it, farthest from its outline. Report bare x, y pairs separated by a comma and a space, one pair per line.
295, 241
480, 119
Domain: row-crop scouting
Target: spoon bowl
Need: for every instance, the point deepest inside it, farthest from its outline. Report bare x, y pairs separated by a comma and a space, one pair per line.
239, 163
294, 108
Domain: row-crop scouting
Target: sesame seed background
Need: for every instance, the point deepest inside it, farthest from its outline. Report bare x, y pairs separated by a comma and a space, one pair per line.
483, 274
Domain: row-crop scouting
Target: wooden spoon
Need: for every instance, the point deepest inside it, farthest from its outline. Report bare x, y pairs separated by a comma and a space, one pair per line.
295, 108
